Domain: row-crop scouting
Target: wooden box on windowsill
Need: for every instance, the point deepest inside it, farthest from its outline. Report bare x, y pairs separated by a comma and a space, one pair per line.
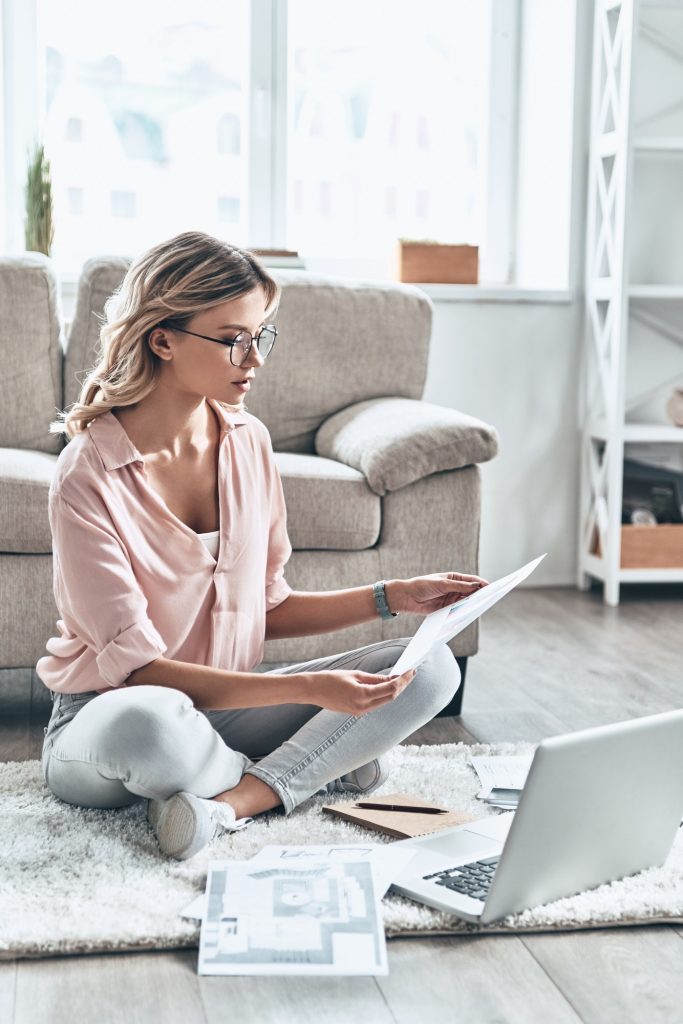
432, 263
651, 547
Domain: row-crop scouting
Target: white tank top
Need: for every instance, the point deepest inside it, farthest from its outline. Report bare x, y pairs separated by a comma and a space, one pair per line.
211, 540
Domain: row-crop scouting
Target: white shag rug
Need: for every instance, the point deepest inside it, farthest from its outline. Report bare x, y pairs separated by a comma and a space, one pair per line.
82, 881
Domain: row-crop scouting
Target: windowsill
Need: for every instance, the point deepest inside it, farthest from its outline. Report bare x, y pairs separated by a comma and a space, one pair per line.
496, 293
506, 293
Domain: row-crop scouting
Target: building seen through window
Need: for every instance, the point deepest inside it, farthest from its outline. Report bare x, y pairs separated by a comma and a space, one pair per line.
148, 135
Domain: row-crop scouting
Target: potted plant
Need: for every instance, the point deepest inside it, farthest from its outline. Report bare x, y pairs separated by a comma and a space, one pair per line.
38, 226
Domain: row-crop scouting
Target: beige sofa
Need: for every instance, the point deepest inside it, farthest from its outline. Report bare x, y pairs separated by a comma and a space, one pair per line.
378, 483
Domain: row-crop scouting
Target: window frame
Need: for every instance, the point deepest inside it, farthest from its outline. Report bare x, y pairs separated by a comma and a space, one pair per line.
22, 116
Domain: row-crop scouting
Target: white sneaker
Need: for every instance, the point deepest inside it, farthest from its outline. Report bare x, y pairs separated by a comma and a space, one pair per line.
362, 780
184, 824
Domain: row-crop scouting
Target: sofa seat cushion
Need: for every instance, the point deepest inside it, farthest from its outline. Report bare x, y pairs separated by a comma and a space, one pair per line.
25, 478
329, 505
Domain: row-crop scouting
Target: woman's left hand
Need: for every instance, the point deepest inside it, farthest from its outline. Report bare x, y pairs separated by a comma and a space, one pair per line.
425, 594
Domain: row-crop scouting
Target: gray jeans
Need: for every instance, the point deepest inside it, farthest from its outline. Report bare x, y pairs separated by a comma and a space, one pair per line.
112, 749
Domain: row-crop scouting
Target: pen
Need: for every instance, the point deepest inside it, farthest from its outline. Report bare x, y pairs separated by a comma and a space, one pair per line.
400, 807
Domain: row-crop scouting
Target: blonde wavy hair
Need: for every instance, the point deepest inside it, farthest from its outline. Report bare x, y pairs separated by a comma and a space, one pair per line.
172, 281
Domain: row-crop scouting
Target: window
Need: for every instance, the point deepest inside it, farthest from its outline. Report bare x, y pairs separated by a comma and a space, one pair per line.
229, 130
151, 93
74, 129
74, 198
388, 125
229, 209
272, 123
123, 204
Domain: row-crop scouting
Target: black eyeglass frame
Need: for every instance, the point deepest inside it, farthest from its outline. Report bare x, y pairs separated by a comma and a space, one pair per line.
232, 342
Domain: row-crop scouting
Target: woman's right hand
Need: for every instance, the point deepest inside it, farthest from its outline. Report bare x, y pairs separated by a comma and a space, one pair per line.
353, 692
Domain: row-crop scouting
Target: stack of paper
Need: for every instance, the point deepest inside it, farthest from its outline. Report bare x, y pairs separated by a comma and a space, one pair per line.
297, 910
502, 779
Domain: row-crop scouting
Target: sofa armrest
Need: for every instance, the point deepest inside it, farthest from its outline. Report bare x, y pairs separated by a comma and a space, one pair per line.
396, 441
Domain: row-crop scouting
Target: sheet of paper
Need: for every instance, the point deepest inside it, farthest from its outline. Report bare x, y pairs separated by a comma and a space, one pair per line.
442, 625
311, 916
196, 909
388, 861
501, 772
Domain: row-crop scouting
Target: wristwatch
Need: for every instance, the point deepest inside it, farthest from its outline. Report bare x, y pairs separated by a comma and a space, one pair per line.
380, 596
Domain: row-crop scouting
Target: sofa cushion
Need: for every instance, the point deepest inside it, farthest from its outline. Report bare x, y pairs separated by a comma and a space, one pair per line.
25, 478
31, 353
328, 505
394, 441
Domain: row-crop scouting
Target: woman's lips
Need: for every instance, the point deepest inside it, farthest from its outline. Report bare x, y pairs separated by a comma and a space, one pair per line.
242, 385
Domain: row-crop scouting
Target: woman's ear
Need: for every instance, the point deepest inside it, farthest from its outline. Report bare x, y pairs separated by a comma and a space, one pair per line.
159, 341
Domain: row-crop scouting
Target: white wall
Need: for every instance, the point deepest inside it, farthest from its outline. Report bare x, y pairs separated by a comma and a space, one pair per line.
516, 365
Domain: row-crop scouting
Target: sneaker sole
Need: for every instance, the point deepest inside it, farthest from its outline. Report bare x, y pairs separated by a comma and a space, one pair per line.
181, 828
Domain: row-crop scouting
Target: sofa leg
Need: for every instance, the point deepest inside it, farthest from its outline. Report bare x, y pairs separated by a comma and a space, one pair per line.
455, 706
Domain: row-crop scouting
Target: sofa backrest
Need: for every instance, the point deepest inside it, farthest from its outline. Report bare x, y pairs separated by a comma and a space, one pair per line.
31, 353
340, 342
100, 277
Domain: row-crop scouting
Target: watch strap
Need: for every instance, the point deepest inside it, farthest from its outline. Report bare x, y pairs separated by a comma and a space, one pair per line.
380, 595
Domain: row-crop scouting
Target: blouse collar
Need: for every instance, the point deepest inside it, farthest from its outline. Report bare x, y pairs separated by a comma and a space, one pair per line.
116, 449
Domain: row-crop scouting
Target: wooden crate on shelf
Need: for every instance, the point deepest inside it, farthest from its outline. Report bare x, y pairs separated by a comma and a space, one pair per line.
650, 547
432, 263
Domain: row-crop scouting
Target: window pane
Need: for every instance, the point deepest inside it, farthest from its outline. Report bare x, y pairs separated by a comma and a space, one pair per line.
388, 121
145, 124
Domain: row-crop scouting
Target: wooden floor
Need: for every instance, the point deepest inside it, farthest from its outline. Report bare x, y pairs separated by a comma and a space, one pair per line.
550, 661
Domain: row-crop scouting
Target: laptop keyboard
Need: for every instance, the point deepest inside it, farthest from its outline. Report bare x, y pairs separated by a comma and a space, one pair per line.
468, 879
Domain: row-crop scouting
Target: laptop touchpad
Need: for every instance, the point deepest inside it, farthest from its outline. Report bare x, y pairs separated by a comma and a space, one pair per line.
460, 846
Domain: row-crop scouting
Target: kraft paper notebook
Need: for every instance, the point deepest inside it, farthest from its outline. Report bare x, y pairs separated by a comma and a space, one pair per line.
403, 825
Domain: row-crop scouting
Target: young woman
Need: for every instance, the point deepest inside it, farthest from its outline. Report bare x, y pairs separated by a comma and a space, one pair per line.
169, 540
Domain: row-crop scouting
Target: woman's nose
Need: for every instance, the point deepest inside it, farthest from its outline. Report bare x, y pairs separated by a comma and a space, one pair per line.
254, 358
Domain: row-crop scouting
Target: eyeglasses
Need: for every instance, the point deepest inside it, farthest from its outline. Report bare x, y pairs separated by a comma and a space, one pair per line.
240, 345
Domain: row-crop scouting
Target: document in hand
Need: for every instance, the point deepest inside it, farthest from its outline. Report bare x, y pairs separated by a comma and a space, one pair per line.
442, 625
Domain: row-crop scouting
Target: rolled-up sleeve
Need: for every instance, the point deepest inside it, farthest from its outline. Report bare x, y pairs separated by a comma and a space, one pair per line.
96, 590
279, 547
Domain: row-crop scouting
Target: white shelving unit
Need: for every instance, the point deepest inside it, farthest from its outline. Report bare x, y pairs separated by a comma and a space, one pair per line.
613, 301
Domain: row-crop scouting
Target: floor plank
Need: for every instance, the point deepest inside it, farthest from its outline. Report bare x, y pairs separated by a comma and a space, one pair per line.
284, 1000
478, 980
8, 981
616, 976
131, 988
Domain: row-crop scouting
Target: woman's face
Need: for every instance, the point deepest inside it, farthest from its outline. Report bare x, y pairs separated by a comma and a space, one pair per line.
205, 368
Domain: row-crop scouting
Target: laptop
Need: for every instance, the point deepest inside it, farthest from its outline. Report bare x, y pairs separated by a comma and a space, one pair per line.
597, 805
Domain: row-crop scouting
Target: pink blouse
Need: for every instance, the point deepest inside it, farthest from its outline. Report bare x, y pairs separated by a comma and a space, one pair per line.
133, 582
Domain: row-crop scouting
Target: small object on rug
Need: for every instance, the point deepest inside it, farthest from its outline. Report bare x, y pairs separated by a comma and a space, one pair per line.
77, 880
395, 822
